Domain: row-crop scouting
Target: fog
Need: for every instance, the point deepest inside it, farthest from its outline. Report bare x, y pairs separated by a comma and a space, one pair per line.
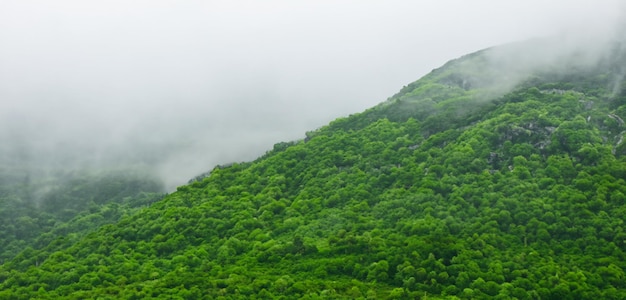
178, 87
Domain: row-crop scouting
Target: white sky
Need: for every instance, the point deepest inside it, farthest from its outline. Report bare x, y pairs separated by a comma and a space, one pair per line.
193, 84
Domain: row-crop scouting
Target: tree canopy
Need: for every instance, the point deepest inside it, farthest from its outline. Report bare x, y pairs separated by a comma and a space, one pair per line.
436, 193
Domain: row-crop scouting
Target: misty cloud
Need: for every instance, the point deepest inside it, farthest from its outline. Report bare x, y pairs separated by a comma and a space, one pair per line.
512, 63
181, 87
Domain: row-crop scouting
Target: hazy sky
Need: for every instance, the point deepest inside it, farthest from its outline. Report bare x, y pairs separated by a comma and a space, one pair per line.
186, 85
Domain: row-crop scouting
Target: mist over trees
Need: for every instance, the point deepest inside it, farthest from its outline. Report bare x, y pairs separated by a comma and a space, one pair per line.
499, 175
434, 193
179, 89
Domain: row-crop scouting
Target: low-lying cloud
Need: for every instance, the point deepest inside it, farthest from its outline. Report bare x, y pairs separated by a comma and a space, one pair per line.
179, 87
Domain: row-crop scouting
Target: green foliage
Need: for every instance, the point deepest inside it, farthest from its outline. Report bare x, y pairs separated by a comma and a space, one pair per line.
57, 209
436, 193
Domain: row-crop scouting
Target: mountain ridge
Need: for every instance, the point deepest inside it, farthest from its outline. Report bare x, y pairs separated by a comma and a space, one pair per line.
458, 186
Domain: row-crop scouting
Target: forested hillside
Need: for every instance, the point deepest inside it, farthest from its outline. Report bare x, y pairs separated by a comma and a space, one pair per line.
464, 185
38, 208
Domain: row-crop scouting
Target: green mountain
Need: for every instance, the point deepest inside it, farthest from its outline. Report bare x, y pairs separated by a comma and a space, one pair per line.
37, 208
499, 175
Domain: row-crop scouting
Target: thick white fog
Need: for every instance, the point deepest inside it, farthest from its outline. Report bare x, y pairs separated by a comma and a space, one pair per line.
180, 86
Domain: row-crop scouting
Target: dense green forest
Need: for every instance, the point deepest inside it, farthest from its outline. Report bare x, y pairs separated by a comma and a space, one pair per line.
37, 208
451, 189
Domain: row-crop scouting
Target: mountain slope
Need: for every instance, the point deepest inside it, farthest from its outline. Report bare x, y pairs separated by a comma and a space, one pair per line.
468, 183
36, 210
